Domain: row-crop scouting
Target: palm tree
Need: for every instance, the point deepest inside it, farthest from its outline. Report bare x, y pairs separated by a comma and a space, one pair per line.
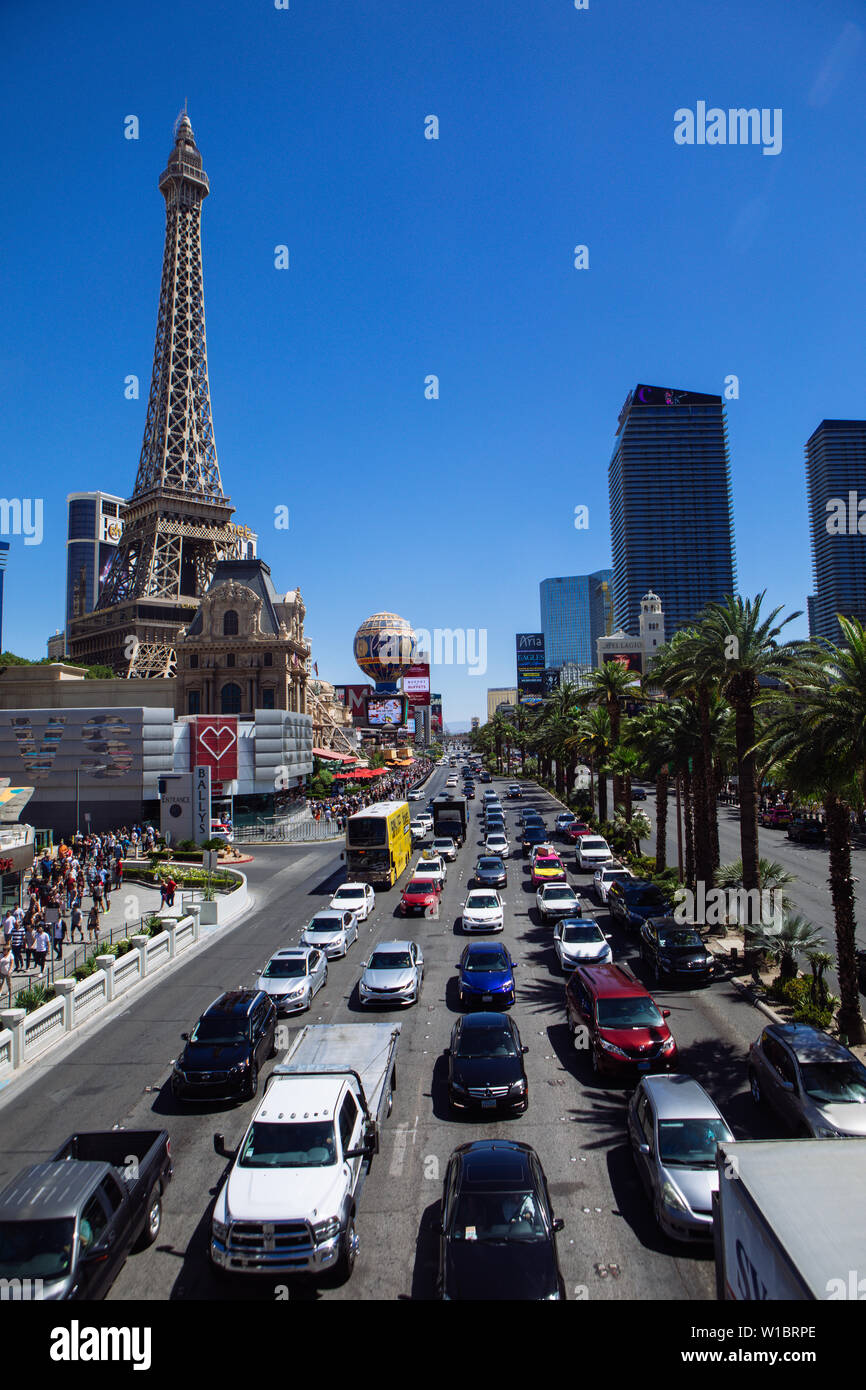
796, 937
735, 647
818, 736
592, 741
624, 764
649, 733
611, 685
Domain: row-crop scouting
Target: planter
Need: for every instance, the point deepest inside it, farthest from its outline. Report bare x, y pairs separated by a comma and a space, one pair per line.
208, 913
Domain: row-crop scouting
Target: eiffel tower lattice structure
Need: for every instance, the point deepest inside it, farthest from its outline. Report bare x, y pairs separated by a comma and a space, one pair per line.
328, 730
177, 523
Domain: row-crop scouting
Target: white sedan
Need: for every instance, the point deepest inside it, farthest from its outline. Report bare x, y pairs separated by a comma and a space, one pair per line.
392, 975
497, 844
483, 911
557, 900
444, 845
592, 851
415, 796
420, 829
355, 897
293, 976
604, 876
579, 941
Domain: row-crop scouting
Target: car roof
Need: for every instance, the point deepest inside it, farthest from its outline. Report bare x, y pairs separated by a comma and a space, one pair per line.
672, 922
234, 1001
49, 1191
809, 1044
329, 914
679, 1097
393, 946
495, 1165
356, 887
611, 980
292, 953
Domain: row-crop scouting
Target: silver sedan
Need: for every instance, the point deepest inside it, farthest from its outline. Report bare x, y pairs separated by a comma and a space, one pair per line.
392, 975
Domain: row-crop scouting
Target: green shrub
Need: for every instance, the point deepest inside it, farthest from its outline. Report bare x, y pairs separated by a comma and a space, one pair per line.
798, 993
34, 996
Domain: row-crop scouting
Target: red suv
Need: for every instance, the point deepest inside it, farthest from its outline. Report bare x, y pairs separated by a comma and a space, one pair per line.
576, 829
621, 1023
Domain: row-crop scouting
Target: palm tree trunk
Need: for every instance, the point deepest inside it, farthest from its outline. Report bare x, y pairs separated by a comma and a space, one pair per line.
591, 784
613, 715
602, 793
703, 870
689, 829
627, 785
745, 738
714, 823
842, 894
661, 821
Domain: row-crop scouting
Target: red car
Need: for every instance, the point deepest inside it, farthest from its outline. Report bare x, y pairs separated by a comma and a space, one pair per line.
421, 895
577, 828
611, 1014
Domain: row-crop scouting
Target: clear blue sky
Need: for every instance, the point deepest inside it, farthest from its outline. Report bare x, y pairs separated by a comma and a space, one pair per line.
411, 257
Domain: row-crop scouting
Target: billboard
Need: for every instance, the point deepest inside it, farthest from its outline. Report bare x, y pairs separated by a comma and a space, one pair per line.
550, 679
416, 683
354, 697
385, 713
633, 661
214, 743
435, 710
530, 667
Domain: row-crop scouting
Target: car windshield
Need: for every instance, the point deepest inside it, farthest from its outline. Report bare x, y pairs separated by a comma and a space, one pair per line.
349, 893
323, 929
497, 839
480, 900
831, 1082
390, 960
628, 1013
691, 1143
614, 875
497, 1217
493, 864
418, 885
492, 1041
589, 843
286, 969
582, 931
490, 958
671, 938
36, 1249
558, 894
219, 1030
310, 1145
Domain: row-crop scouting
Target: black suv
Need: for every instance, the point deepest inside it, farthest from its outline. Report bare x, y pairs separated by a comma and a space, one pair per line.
675, 949
224, 1052
806, 830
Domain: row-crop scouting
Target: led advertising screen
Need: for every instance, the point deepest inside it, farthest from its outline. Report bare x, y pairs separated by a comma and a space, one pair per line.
633, 661
382, 713
530, 667
416, 683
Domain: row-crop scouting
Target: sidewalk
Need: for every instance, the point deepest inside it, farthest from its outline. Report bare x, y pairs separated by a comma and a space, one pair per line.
129, 904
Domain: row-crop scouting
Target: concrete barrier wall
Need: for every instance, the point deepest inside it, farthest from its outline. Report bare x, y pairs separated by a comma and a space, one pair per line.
41, 1027
89, 996
7, 1052
127, 972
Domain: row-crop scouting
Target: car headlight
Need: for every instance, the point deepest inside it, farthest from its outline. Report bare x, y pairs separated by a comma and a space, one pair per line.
664, 960
668, 1045
611, 1047
457, 1086
241, 1066
219, 1230
672, 1198
551, 1297
518, 1087
326, 1230
181, 1074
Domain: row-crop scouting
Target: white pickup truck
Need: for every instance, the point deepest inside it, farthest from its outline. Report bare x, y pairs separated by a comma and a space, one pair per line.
288, 1204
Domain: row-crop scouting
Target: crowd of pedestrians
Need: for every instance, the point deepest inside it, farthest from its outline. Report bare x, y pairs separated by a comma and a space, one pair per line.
57, 911
392, 787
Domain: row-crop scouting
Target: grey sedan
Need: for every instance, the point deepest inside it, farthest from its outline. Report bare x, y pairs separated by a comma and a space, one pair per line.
814, 1084
490, 872
392, 975
674, 1129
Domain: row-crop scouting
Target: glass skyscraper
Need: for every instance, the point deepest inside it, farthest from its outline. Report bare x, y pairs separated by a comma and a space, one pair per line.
573, 611
95, 526
836, 484
670, 505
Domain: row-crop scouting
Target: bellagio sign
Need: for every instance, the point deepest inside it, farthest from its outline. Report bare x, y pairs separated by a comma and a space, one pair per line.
214, 743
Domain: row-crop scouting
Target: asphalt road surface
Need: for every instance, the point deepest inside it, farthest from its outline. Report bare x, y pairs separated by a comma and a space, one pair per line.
610, 1247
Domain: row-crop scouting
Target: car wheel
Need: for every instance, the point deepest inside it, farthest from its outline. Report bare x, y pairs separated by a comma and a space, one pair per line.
325, 978
253, 1083
348, 1251
273, 1048
596, 1069
755, 1087
152, 1221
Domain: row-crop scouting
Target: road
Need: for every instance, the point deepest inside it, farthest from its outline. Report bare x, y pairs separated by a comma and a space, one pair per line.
609, 1249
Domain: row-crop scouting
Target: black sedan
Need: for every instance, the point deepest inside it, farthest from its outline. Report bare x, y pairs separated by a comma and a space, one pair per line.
497, 1235
675, 950
633, 900
485, 1065
490, 872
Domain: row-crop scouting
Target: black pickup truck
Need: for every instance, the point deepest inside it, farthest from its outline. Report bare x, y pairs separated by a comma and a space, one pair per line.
67, 1225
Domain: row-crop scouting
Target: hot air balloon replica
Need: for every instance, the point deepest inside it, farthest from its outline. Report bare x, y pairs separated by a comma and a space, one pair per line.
385, 646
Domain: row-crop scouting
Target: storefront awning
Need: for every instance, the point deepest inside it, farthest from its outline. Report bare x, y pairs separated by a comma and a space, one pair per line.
333, 757
360, 774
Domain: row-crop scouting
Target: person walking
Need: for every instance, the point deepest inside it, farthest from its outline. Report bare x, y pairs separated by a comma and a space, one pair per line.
105, 875
98, 894
75, 923
16, 941
29, 938
58, 932
118, 874
163, 894
170, 890
7, 966
41, 947
93, 925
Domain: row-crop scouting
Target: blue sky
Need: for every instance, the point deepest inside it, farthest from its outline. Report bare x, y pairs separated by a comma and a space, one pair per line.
410, 257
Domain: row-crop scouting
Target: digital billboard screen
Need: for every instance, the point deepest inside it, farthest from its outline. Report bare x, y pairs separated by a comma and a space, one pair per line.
530, 667
389, 712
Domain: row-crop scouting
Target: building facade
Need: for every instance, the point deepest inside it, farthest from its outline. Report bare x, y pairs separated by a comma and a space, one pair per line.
500, 695
573, 616
245, 649
670, 505
836, 485
94, 527
637, 653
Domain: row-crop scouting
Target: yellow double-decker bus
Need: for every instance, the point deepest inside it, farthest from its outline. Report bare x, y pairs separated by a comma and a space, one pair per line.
378, 843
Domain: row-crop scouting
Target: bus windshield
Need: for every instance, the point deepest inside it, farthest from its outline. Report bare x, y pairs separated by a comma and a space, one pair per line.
369, 830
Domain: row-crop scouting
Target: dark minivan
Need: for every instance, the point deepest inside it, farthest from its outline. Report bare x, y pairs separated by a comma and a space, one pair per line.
235, 1035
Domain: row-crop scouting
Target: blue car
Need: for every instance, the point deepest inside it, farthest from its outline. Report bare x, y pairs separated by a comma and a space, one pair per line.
486, 974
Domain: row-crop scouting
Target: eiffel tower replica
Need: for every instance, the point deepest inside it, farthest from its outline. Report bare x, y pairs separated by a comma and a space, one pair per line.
177, 523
